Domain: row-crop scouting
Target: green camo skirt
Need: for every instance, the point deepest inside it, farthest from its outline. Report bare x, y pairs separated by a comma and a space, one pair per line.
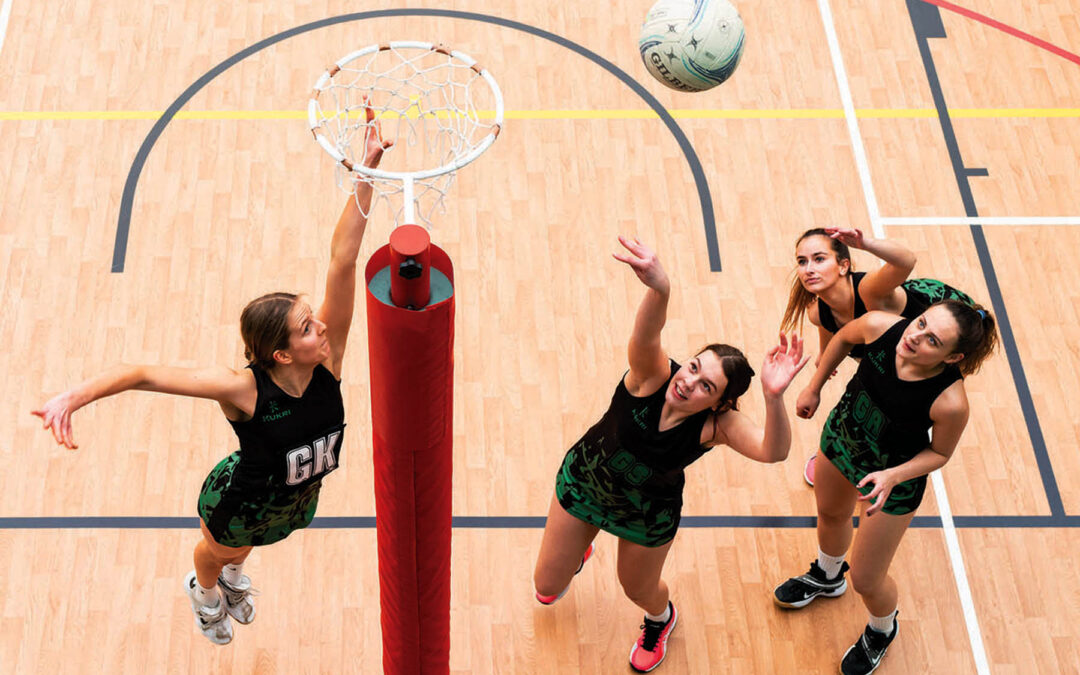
239, 518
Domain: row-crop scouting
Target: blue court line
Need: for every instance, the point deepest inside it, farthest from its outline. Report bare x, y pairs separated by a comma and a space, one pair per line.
522, 522
128, 198
926, 20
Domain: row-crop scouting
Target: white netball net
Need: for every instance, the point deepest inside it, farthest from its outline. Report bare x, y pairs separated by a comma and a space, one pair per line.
438, 106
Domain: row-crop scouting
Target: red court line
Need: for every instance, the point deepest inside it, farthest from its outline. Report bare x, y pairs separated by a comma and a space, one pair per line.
1007, 29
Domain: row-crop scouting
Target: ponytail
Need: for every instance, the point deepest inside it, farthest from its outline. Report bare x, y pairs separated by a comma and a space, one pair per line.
977, 335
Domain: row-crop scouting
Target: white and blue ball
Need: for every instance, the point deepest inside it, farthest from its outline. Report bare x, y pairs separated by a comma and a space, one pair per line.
692, 45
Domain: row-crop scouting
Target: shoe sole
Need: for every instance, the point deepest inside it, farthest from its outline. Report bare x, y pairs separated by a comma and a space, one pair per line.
806, 470
803, 603
657, 664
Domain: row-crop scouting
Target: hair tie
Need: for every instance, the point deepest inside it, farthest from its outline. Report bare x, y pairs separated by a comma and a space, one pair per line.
982, 313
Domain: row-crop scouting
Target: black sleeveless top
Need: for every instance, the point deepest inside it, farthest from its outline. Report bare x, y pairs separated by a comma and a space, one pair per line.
828, 321
883, 415
919, 295
290, 442
631, 425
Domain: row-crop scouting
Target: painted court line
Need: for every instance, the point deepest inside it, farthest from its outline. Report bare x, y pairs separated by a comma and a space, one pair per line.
5, 14
949, 528
949, 221
1005, 28
849, 112
575, 114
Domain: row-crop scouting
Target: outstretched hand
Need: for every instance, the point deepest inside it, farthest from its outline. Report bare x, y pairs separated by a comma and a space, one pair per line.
373, 140
782, 363
848, 235
56, 415
644, 263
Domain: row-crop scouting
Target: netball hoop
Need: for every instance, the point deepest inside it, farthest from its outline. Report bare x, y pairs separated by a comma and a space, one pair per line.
441, 110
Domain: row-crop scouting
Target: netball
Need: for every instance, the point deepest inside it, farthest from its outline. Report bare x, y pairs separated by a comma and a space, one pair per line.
692, 45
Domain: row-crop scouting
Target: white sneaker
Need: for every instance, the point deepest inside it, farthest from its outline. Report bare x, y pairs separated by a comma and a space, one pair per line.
213, 621
238, 602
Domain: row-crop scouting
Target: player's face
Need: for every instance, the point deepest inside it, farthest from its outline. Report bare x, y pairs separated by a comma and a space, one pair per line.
308, 343
698, 384
930, 339
816, 264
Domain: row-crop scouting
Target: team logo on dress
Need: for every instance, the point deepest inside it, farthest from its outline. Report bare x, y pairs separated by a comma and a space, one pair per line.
639, 416
275, 413
877, 360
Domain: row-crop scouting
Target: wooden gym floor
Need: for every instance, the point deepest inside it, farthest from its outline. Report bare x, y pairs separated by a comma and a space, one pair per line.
952, 134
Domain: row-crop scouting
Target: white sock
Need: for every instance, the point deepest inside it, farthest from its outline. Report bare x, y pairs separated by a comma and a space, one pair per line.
232, 574
662, 618
206, 596
829, 564
883, 624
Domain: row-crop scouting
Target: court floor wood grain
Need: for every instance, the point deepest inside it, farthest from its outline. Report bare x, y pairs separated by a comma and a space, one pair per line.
238, 201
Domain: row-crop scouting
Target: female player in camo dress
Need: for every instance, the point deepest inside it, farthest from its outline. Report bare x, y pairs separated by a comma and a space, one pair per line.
285, 407
829, 291
625, 475
876, 450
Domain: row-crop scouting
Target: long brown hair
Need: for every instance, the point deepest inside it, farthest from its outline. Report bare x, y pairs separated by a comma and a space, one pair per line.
264, 326
977, 335
736, 369
799, 299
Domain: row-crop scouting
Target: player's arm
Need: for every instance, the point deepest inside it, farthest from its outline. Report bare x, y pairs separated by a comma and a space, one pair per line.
648, 361
863, 330
337, 307
771, 444
235, 391
880, 289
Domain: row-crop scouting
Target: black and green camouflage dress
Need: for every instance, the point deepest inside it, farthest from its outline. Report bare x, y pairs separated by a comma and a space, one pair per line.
625, 476
882, 421
270, 486
920, 293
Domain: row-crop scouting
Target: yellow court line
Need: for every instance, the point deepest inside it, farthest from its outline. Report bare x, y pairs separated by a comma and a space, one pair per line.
630, 114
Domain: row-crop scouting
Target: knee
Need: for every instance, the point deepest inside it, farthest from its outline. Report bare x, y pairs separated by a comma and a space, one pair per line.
864, 583
637, 592
834, 517
546, 583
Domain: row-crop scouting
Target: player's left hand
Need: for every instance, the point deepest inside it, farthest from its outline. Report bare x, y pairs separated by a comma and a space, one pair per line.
884, 482
850, 236
782, 363
373, 140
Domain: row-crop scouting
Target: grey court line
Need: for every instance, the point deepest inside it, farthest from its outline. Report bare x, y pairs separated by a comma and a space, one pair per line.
524, 522
927, 23
704, 196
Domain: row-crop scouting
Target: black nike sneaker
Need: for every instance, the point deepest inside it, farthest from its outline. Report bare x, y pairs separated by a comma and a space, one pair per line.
798, 592
863, 657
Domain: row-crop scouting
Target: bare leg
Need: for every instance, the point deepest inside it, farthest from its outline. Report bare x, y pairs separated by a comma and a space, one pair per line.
836, 498
879, 537
639, 574
564, 543
211, 556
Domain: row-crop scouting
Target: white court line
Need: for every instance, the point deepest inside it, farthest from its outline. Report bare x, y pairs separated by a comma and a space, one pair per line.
849, 115
951, 541
1019, 221
5, 14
